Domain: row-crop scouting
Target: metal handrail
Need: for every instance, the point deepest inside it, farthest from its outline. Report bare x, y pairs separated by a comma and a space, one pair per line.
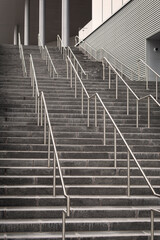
87, 48
21, 52
120, 66
138, 99
51, 68
44, 111
116, 129
34, 85
62, 49
76, 63
152, 221
148, 68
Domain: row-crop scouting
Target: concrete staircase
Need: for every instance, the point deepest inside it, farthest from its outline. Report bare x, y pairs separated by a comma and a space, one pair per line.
100, 208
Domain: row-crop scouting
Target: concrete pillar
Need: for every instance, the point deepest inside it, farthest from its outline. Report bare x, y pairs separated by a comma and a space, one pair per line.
42, 20
15, 40
26, 22
65, 23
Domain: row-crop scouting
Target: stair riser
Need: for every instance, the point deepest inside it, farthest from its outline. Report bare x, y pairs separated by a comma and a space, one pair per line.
46, 227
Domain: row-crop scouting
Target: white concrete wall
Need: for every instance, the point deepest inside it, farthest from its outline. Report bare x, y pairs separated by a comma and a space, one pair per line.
124, 34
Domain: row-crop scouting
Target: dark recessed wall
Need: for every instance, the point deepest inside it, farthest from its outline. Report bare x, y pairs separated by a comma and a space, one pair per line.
11, 13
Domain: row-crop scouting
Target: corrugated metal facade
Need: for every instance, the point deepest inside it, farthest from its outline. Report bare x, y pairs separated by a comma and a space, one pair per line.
124, 34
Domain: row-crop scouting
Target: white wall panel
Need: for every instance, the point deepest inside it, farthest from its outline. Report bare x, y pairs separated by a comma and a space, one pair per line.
125, 33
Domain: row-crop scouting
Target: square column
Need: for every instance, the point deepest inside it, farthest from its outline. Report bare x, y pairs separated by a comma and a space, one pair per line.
65, 23
42, 20
26, 22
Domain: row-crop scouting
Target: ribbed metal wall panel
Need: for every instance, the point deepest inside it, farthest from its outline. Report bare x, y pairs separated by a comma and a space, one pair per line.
124, 34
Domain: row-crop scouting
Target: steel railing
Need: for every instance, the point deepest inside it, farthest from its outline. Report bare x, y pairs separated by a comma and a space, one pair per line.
76, 63
129, 90
47, 57
21, 52
62, 49
51, 68
149, 97
121, 67
152, 221
116, 129
148, 70
44, 120
35, 90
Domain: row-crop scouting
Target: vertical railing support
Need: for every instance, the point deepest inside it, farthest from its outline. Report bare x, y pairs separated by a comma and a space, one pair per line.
82, 101
103, 71
115, 148
116, 86
137, 113
54, 175
71, 75
67, 68
38, 113
75, 85
148, 111
152, 224
109, 68
127, 101
128, 161
41, 111
156, 88
95, 111
63, 224
88, 101
147, 76
104, 127
49, 147
45, 127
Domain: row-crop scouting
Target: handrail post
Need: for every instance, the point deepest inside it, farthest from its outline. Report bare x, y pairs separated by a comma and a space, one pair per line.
109, 68
152, 224
36, 101
67, 68
45, 127
68, 206
38, 112
63, 224
148, 111
127, 101
75, 85
33, 90
49, 146
147, 76
95, 111
41, 111
138, 65
156, 87
82, 101
103, 71
115, 148
104, 127
71, 75
128, 161
88, 102
54, 175
116, 86
137, 110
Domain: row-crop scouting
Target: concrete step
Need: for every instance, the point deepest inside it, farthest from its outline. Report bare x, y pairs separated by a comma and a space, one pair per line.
109, 235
